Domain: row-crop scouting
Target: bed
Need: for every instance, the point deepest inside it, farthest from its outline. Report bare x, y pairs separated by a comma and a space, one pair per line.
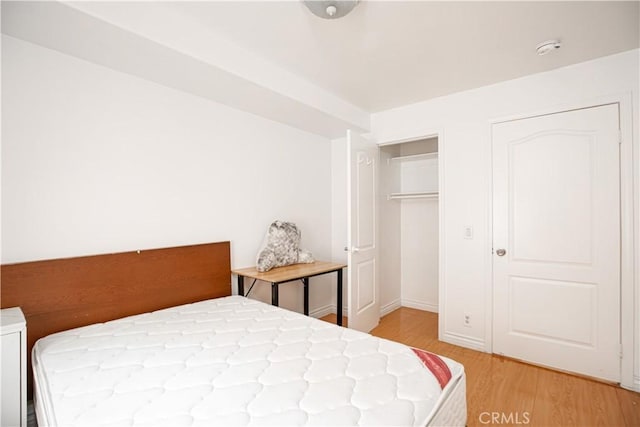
220, 359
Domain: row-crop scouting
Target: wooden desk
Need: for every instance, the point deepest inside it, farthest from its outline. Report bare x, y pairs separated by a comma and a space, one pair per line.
294, 272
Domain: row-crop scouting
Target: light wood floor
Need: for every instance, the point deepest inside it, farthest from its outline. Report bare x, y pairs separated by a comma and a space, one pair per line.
495, 384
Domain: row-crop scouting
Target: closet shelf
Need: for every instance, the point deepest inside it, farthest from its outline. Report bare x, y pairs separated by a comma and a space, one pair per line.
420, 195
415, 157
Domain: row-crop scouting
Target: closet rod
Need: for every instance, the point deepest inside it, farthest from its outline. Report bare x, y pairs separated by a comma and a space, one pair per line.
422, 195
415, 157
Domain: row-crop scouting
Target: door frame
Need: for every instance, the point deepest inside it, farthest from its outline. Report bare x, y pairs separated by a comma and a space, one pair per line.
439, 134
629, 327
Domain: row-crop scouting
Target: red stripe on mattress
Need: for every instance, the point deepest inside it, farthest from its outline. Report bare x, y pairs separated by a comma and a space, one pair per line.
436, 365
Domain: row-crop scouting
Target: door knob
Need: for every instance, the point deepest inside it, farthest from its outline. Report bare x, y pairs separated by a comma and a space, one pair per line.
355, 249
501, 252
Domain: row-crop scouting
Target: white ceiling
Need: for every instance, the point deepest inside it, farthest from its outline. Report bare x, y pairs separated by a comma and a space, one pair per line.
385, 54
277, 60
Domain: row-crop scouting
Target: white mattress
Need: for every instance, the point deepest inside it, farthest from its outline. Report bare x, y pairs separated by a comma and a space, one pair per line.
235, 361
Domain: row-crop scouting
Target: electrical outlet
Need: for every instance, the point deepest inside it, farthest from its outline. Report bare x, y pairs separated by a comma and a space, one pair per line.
467, 320
467, 232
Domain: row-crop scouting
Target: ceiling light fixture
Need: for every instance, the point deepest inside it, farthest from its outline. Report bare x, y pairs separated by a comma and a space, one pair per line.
548, 46
331, 9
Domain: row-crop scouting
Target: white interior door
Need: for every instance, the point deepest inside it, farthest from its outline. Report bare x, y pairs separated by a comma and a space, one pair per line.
363, 296
556, 204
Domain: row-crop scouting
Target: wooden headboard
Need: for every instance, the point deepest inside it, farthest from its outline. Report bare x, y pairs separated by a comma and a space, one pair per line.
60, 294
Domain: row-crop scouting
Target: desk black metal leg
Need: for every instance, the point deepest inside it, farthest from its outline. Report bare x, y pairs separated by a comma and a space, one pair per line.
339, 298
274, 294
240, 285
305, 281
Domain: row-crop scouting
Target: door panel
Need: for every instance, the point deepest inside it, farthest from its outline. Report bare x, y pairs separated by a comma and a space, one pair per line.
363, 301
538, 309
366, 292
545, 194
365, 201
556, 187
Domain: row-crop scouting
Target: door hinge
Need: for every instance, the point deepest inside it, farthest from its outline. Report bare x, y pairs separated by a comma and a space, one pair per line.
619, 136
620, 351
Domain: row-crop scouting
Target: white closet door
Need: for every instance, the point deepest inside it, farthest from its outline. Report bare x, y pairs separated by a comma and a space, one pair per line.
556, 189
363, 294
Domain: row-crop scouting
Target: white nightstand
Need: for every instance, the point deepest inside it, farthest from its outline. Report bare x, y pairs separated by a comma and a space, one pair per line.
13, 372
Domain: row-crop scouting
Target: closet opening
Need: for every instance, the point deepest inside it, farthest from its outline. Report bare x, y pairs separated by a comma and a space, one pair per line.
408, 225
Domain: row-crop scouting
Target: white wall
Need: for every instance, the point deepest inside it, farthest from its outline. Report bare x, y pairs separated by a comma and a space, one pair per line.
464, 120
419, 253
97, 161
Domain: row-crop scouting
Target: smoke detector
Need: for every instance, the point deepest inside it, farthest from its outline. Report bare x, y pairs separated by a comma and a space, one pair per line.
548, 46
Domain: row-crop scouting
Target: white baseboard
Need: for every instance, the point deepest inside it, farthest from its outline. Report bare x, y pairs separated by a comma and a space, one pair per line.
384, 310
332, 309
633, 386
388, 308
463, 341
419, 305
327, 309
322, 311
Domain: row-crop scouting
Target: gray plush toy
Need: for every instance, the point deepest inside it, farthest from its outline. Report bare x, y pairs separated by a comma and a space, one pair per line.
282, 247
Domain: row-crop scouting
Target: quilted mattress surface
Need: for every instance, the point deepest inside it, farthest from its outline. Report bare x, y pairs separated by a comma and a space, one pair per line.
230, 361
